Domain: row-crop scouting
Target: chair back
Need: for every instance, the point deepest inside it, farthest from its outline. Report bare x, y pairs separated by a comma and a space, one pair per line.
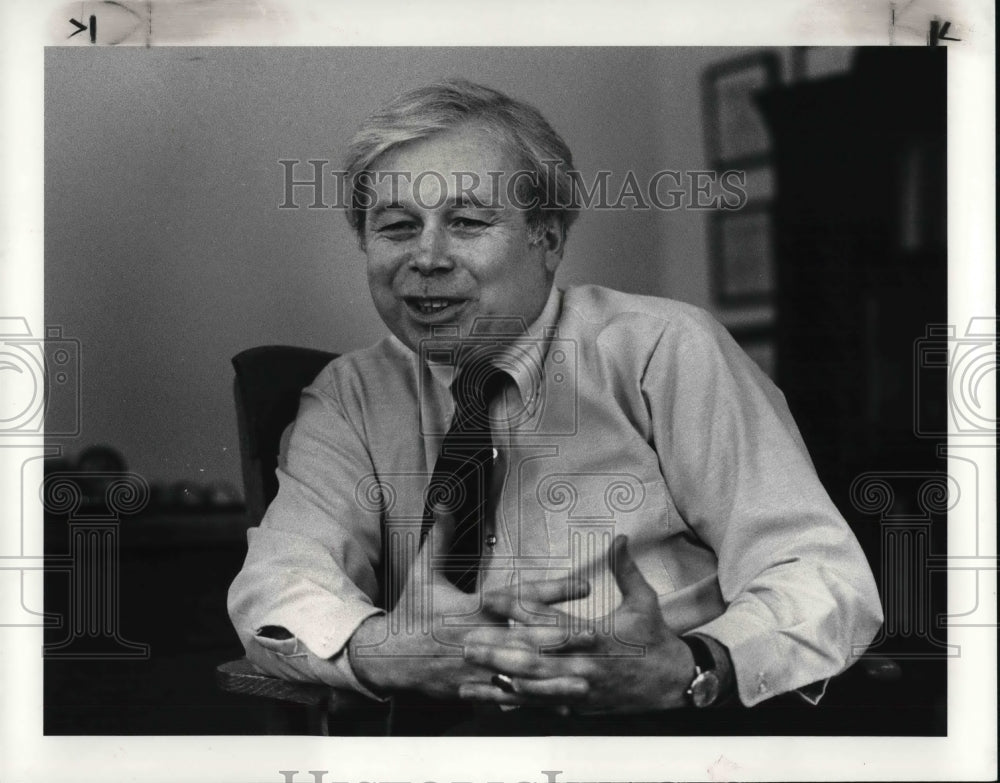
268, 383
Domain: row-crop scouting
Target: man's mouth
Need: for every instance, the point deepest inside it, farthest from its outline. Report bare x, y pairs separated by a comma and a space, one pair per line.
430, 306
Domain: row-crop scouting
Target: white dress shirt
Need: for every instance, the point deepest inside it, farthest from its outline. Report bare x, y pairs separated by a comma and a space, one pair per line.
628, 414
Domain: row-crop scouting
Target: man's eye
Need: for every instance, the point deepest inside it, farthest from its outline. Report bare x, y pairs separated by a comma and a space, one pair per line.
398, 230
468, 224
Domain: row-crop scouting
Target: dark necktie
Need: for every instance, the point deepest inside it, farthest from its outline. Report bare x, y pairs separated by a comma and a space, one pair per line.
462, 473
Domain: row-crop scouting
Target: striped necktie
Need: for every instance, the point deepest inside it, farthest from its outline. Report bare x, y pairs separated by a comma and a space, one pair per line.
462, 473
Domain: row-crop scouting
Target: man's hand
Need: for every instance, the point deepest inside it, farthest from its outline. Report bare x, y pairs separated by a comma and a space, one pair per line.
640, 665
418, 645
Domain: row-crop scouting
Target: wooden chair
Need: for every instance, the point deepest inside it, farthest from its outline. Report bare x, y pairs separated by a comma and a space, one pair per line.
267, 387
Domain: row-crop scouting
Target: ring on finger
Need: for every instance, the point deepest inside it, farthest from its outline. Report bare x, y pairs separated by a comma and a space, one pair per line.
504, 683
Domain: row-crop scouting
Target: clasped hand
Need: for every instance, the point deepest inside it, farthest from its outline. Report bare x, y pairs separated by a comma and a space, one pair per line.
447, 643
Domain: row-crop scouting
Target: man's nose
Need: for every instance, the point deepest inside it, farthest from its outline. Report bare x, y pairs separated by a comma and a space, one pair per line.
432, 252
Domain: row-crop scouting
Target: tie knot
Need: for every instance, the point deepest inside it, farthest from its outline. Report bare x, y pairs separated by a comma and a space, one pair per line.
474, 388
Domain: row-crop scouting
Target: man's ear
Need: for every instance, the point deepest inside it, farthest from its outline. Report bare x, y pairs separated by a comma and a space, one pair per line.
552, 237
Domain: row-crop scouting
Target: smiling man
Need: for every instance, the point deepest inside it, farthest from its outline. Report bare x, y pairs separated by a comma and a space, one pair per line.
437, 256
553, 505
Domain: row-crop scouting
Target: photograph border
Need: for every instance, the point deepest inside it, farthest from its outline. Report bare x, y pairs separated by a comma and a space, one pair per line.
969, 752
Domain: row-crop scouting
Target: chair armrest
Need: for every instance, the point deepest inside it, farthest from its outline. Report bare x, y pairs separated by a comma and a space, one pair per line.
325, 710
243, 677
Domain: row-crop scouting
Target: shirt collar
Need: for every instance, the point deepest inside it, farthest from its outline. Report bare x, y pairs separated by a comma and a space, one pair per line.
523, 358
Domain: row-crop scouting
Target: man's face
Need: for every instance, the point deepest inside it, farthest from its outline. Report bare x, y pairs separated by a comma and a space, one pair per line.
435, 258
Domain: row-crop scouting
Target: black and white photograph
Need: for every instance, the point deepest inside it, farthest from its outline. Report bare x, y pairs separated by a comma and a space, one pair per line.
530, 401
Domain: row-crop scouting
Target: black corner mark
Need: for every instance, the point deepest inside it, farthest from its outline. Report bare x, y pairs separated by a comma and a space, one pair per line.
939, 32
80, 27
943, 35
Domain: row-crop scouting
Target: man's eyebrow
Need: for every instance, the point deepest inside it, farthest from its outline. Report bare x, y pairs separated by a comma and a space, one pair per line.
381, 209
461, 201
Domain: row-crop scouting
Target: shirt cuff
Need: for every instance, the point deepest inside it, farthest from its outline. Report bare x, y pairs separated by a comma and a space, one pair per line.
317, 648
813, 692
765, 662
338, 672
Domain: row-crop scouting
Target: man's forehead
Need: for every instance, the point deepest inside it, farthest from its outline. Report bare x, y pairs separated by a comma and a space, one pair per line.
468, 143
464, 157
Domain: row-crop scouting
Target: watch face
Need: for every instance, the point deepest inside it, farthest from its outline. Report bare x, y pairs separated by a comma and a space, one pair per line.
705, 689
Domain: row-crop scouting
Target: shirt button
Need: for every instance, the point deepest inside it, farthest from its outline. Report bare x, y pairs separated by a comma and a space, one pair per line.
491, 540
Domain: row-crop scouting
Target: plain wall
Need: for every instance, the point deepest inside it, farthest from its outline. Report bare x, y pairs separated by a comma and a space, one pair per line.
166, 253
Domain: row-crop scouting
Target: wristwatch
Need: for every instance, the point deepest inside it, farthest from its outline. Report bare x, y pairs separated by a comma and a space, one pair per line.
705, 688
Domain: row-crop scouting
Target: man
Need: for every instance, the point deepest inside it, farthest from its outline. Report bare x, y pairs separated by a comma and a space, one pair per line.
647, 531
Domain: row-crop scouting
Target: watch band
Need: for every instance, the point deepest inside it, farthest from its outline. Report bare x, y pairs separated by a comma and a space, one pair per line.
705, 688
702, 653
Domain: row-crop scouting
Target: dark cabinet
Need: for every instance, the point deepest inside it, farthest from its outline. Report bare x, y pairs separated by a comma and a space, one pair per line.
860, 221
